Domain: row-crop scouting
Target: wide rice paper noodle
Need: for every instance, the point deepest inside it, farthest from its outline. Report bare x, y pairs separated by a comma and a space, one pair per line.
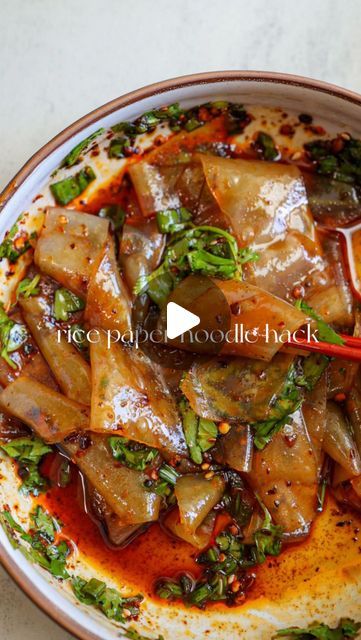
67, 365
285, 476
285, 263
265, 204
197, 197
38, 369
50, 414
338, 441
196, 497
118, 533
200, 538
314, 414
129, 398
140, 250
261, 200
68, 246
260, 323
353, 407
235, 389
341, 375
153, 187
122, 488
235, 449
329, 293
259, 313
108, 301
35, 367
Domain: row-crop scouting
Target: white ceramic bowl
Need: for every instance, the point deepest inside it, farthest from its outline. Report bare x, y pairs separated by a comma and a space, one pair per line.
335, 593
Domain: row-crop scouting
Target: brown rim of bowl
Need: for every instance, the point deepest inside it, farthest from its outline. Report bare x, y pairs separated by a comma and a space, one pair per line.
19, 576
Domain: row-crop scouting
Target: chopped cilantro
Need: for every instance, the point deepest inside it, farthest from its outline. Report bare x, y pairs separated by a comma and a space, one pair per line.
265, 145
40, 546
173, 220
12, 336
28, 452
65, 303
347, 628
325, 332
200, 434
132, 454
207, 250
338, 158
28, 287
132, 634
109, 601
115, 213
16, 243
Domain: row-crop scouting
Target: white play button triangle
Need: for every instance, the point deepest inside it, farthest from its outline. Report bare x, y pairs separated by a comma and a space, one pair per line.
179, 320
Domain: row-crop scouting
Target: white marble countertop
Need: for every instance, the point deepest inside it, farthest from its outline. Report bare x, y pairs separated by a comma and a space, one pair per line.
59, 60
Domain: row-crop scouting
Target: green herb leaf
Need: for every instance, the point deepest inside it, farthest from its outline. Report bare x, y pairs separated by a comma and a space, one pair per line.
347, 628
313, 368
79, 338
73, 156
133, 634
29, 449
28, 452
115, 213
207, 250
65, 303
120, 147
132, 454
268, 539
66, 190
32, 481
165, 485
28, 287
168, 474
200, 434
265, 144
325, 332
287, 403
16, 243
40, 547
173, 220
109, 601
45, 523
12, 336
338, 158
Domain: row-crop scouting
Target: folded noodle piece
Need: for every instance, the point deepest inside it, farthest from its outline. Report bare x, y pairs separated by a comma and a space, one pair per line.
68, 246
108, 300
122, 488
50, 414
267, 319
68, 366
285, 476
265, 204
129, 398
